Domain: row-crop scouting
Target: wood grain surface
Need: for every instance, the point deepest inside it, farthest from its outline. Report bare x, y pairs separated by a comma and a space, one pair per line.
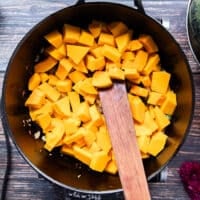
17, 17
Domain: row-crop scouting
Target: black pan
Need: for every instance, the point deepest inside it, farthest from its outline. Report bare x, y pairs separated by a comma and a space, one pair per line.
63, 170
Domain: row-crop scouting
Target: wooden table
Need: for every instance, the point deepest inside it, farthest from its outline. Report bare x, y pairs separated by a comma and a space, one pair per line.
16, 18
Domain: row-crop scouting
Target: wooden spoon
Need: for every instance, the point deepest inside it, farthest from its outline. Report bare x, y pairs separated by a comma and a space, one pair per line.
120, 125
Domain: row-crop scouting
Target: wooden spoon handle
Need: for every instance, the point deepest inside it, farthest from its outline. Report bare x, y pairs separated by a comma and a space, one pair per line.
120, 125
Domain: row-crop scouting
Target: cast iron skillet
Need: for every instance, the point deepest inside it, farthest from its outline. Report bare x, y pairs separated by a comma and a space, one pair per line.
193, 27
66, 171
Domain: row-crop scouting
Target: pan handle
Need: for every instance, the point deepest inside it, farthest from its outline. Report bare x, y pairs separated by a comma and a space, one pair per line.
137, 3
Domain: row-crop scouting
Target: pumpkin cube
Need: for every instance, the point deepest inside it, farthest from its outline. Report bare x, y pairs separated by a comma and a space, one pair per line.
71, 125
62, 107
151, 64
148, 43
45, 65
94, 64
71, 33
89, 137
99, 161
123, 40
139, 91
36, 99
34, 81
116, 73
101, 79
111, 53
95, 28
43, 120
54, 136
117, 28
55, 53
111, 167
155, 98
157, 143
161, 119
50, 92
143, 143
134, 45
138, 108
74, 99
106, 38
77, 76
77, 52
54, 38
169, 103
160, 81
140, 60
82, 154
64, 85
87, 87
95, 115
128, 55
86, 38
103, 139
131, 73
83, 112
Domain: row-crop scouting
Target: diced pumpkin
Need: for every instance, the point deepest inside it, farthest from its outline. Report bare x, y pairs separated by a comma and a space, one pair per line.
62, 107
64, 85
34, 81
44, 77
89, 137
143, 143
157, 143
146, 81
170, 103
117, 28
95, 28
83, 112
54, 38
71, 33
148, 43
94, 147
43, 120
83, 155
116, 73
87, 87
86, 38
71, 125
74, 99
67, 149
52, 81
151, 64
53, 137
131, 73
81, 67
101, 79
64, 67
95, 115
111, 53
94, 64
155, 98
139, 91
99, 161
97, 51
103, 139
77, 52
134, 45
161, 119
106, 38
47, 108
77, 76
69, 139
45, 65
111, 167
55, 53
50, 92
123, 40
128, 55
138, 108
160, 81
140, 60
36, 99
